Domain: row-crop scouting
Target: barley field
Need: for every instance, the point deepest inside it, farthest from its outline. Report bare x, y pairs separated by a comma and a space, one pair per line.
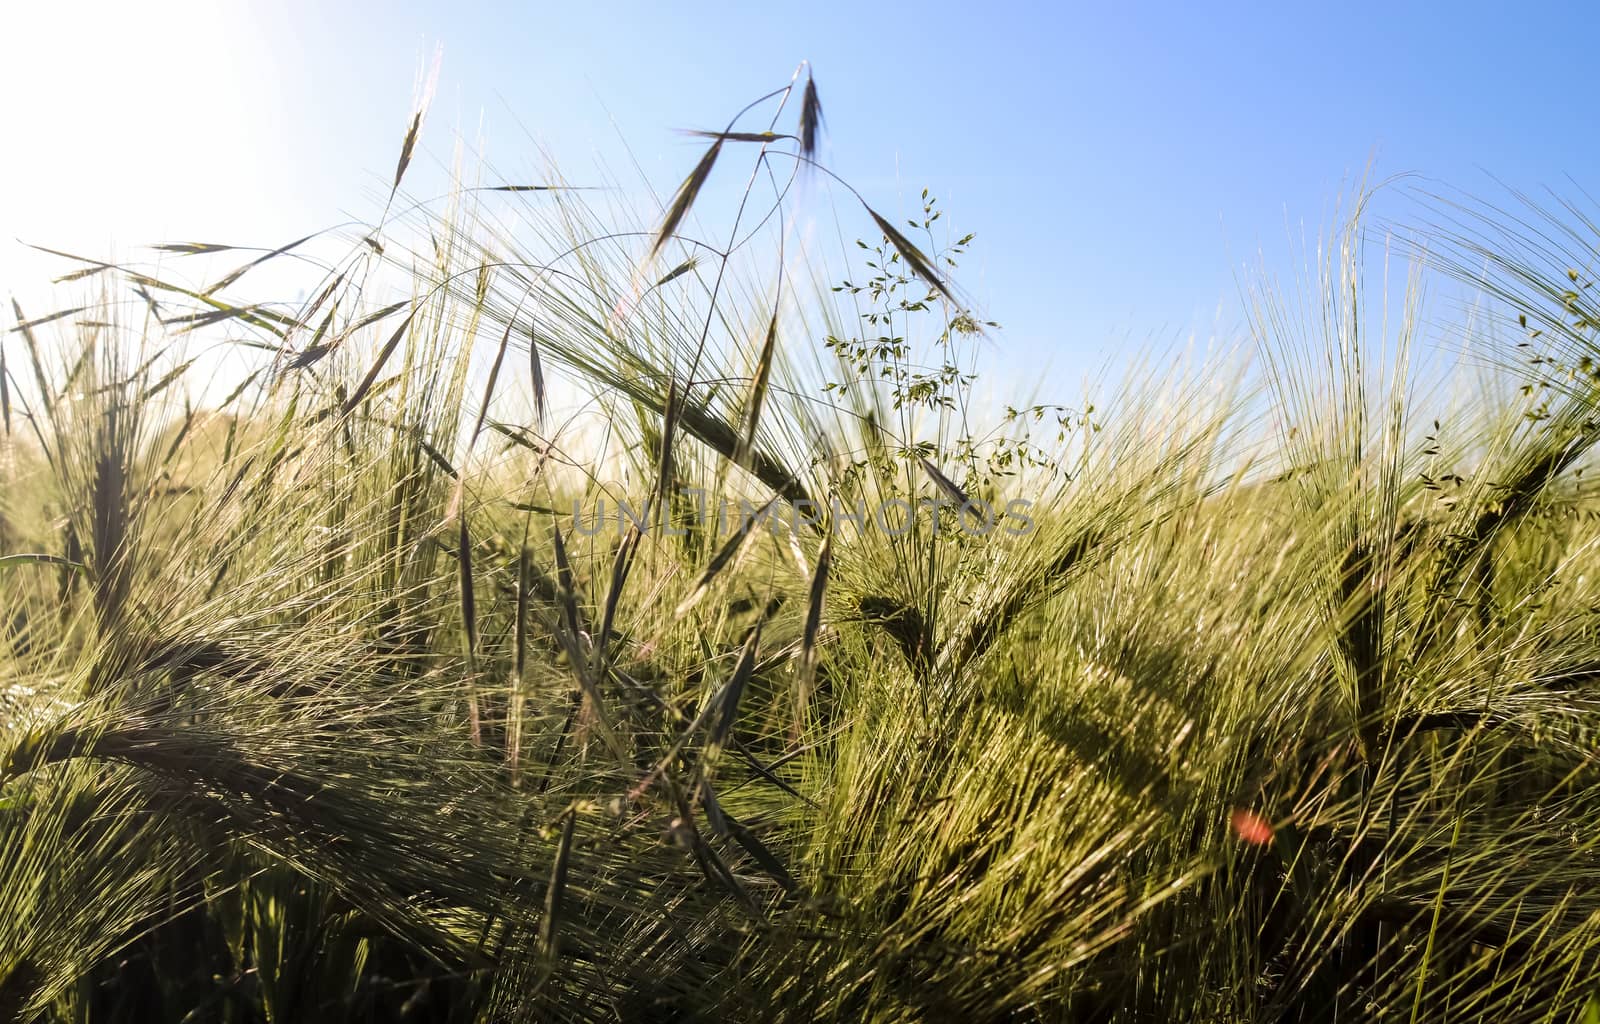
586, 619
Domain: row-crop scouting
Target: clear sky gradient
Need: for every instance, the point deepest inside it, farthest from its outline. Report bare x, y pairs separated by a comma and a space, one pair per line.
1121, 164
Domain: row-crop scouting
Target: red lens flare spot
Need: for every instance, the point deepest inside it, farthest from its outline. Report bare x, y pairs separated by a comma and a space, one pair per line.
1251, 827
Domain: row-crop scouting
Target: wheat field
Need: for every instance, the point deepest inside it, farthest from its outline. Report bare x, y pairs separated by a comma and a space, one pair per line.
574, 621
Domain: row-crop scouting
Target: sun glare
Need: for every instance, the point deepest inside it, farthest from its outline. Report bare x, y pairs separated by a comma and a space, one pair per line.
126, 122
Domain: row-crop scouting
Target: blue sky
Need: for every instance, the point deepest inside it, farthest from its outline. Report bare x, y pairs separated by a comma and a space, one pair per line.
1121, 164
